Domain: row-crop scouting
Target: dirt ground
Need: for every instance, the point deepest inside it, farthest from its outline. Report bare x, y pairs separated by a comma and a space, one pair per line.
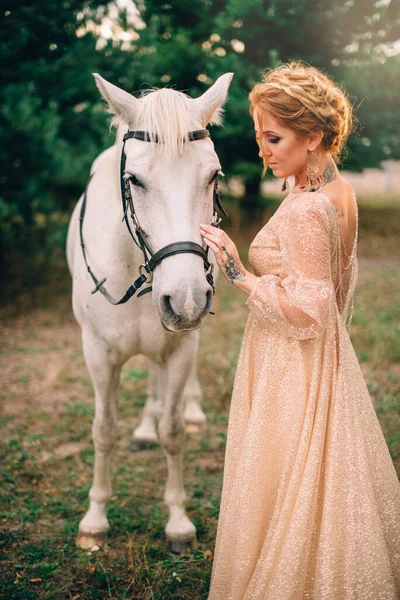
42, 367
47, 456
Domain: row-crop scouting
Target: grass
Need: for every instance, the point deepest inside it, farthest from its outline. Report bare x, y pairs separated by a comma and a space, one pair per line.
43, 502
47, 456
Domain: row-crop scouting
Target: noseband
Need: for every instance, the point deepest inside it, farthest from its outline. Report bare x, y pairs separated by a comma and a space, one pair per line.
151, 258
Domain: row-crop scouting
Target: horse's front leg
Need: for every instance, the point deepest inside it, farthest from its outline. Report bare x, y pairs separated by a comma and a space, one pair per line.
104, 367
180, 531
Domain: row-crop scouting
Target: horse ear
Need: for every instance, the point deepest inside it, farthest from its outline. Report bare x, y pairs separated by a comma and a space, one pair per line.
120, 103
209, 105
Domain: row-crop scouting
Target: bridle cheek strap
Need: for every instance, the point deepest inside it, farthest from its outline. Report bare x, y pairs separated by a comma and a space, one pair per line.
151, 259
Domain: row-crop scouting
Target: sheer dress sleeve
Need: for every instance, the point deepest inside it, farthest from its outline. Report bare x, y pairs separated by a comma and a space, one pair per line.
297, 303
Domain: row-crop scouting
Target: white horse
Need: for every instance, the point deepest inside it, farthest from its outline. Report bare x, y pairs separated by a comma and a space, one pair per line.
171, 183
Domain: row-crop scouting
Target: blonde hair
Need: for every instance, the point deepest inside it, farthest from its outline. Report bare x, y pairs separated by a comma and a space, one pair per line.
306, 100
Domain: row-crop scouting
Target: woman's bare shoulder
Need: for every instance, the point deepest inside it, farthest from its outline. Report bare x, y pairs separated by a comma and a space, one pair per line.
340, 193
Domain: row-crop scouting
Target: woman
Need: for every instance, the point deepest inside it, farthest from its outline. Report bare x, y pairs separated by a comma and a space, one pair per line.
310, 503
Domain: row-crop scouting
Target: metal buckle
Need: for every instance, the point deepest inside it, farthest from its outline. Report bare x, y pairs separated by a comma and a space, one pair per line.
216, 220
143, 267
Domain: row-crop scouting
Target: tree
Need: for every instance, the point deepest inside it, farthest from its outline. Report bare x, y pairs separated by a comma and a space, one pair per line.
47, 137
53, 121
204, 39
48, 133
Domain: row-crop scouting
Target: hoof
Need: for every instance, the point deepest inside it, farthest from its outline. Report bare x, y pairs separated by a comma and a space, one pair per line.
87, 539
194, 427
179, 546
137, 445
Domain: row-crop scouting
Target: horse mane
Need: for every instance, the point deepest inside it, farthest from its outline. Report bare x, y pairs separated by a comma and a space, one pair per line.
165, 114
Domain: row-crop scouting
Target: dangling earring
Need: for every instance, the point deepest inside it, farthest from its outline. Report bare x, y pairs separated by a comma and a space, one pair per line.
314, 178
284, 185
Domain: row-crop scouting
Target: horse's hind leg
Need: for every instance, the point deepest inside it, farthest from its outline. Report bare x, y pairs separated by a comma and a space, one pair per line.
195, 418
145, 435
104, 367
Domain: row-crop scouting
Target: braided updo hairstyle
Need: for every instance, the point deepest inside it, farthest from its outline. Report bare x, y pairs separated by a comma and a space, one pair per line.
306, 100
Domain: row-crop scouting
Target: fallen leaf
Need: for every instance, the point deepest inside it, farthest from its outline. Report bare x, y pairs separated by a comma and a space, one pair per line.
36, 580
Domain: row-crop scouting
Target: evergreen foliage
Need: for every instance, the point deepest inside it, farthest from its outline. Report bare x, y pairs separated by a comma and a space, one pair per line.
53, 122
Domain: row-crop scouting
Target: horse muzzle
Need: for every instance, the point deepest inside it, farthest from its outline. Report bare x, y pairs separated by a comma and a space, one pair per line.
181, 311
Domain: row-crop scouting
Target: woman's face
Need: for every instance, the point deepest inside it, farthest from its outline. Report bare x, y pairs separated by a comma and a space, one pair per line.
280, 148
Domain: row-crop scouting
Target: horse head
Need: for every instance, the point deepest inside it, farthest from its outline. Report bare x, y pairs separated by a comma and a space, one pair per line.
171, 181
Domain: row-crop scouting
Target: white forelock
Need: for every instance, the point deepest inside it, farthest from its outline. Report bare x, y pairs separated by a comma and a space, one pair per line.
164, 113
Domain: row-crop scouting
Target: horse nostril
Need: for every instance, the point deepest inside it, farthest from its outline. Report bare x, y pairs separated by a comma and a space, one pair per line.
177, 308
166, 304
209, 295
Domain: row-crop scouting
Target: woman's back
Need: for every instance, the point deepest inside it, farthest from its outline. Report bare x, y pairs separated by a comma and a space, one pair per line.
344, 258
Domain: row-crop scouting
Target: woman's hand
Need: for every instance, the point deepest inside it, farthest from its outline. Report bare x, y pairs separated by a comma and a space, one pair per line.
227, 257
225, 251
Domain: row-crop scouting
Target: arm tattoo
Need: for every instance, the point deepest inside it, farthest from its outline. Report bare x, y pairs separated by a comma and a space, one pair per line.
232, 269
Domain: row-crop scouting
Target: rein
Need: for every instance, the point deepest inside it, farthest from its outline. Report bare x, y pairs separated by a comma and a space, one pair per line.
151, 258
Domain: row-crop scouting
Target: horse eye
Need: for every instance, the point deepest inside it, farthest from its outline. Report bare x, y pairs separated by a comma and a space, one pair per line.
215, 176
134, 180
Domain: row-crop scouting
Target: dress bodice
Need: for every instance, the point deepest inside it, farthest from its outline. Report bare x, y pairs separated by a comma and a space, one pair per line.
264, 252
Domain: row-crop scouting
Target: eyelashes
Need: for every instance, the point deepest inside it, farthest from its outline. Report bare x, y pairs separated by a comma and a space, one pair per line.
215, 176
272, 140
134, 180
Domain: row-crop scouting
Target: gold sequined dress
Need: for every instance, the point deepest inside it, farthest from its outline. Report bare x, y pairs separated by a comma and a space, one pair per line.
310, 505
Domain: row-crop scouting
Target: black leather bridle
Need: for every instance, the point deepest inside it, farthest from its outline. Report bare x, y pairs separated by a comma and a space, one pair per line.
151, 258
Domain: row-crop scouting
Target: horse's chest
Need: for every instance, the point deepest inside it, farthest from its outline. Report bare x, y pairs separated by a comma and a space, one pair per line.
140, 334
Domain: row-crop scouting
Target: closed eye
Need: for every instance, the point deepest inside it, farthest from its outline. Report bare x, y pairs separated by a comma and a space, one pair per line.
134, 180
272, 140
215, 176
